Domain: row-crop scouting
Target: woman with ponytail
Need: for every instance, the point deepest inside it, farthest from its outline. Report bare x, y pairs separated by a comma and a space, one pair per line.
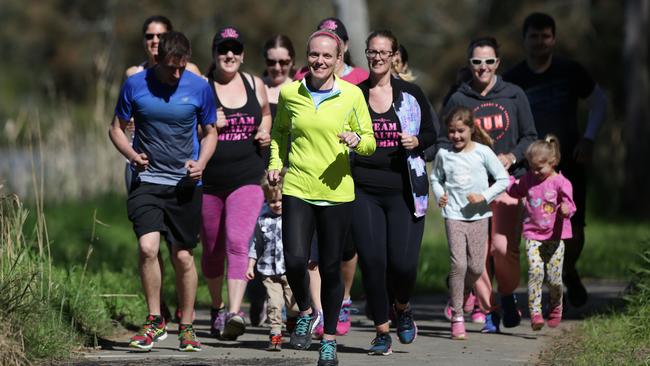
232, 195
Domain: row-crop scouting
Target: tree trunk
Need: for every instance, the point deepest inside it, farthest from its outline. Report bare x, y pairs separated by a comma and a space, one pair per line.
637, 109
354, 14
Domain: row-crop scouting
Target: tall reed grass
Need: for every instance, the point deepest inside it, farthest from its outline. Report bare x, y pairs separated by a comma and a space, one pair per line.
47, 312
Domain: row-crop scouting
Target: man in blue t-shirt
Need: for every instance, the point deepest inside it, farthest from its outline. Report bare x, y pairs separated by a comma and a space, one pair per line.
554, 85
175, 135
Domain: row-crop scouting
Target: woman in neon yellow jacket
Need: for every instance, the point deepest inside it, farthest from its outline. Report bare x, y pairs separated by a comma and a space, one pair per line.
325, 117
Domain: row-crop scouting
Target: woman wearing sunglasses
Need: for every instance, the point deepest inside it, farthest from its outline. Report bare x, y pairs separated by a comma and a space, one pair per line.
232, 196
503, 111
326, 117
391, 188
280, 59
152, 28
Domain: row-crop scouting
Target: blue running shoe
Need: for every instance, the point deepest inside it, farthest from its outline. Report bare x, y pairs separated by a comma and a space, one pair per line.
407, 330
327, 353
511, 315
491, 324
381, 345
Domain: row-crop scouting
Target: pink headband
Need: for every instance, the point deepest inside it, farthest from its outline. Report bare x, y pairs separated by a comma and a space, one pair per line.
327, 33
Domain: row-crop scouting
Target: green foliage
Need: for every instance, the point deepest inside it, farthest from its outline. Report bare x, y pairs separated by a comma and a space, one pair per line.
48, 311
614, 338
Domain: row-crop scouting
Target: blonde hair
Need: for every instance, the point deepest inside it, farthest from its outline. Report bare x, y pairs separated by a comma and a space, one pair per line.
329, 34
549, 146
465, 115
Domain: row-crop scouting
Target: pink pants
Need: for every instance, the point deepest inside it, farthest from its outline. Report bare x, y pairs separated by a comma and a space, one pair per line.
503, 248
229, 220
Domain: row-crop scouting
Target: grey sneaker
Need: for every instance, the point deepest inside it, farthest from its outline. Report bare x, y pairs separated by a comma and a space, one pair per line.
235, 326
301, 335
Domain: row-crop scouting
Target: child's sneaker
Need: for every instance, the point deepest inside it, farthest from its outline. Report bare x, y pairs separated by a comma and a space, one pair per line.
478, 316
470, 303
458, 328
343, 325
275, 343
491, 324
188, 340
152, 331
381, 345
217, 321
235, 326
448, 310
301, 336
319, 330
407, 330
511, 315
536, 321
554, 316
327, 353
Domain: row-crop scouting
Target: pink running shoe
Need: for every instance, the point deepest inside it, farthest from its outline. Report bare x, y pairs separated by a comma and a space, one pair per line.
319, 329
448, 310
537, 321
469, 303
458, 328
554, 316
343, 325
478, 316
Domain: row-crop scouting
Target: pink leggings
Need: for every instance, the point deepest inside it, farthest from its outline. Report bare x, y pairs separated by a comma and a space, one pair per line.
229, 220
503, 248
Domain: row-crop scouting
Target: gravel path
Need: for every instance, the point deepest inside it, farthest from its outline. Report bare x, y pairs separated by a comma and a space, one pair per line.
514, 346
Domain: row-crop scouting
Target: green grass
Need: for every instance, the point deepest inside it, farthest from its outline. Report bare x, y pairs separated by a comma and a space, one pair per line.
47, 311
613, 338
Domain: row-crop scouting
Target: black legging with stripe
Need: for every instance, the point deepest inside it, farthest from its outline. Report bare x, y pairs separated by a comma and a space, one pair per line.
299, 220
388, 238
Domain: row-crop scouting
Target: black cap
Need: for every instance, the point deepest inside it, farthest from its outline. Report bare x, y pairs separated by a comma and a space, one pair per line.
336, 26
227, 34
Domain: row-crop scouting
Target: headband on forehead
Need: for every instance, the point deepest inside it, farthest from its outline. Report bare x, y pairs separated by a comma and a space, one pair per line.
326, 33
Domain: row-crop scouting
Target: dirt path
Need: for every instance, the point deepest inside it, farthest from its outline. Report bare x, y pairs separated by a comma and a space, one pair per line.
514, 346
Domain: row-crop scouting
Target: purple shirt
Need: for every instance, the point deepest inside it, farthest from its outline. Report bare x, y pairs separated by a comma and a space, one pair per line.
543, 219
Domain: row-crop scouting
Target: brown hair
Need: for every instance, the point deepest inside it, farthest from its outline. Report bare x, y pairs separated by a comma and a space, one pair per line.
268, 188
549, 146
174, 44
466, 116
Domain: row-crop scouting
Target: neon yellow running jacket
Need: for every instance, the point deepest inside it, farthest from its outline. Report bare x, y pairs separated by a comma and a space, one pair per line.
319, 164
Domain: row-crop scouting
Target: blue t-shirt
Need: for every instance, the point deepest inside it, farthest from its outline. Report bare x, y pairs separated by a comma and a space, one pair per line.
166, 119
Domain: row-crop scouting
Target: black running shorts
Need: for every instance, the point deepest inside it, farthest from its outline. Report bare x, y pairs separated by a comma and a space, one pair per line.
174, 211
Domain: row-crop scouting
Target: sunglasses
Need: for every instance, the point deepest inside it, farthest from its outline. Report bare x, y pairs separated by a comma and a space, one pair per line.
479, 61
235, 48
149, 36
283, 63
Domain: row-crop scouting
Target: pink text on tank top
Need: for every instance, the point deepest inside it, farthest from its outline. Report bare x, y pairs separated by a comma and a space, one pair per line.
493, 118
386, 132
239, 126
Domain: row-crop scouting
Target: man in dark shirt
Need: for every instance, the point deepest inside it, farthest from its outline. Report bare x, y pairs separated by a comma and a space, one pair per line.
553, 86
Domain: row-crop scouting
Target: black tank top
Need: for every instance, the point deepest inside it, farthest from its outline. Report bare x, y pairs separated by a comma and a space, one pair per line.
385, 170
237, 161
